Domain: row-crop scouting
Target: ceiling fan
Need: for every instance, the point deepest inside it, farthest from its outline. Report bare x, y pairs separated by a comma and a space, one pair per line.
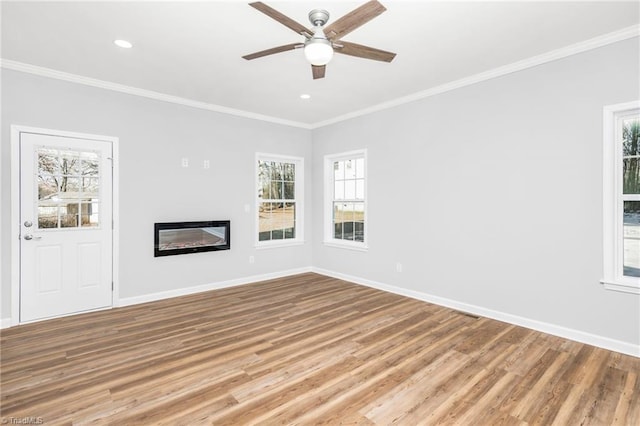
321, 42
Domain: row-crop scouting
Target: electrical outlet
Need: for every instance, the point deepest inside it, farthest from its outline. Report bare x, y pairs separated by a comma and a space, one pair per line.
247, 208
252, 259
206, 164
398, 267
185, 162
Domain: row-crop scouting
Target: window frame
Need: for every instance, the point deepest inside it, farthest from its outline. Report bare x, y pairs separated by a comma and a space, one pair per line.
329, 239
298, 200
613, 199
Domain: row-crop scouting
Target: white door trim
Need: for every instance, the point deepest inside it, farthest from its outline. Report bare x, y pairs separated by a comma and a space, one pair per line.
15, 209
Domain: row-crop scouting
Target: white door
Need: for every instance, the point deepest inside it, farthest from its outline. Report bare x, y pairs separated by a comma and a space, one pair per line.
65, 225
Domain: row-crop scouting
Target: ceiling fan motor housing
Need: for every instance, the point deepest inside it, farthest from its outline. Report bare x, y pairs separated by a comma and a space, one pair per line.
318, 17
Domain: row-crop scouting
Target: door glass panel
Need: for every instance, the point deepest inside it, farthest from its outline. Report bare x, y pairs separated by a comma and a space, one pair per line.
90, 186
68, 221
89, 214
47, 187
89, 163
70, 162
47, 217
48, 162
68, 188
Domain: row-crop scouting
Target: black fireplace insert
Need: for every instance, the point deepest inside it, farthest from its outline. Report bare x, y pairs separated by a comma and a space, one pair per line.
171, 238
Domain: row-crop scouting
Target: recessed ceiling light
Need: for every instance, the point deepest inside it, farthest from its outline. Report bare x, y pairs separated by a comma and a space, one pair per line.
123, 43
305, 96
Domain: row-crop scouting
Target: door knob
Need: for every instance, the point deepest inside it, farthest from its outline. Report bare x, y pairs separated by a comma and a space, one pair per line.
28, 224
31, 237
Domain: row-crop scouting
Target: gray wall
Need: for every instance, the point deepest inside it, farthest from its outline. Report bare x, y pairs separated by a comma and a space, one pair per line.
154, 136
491, 195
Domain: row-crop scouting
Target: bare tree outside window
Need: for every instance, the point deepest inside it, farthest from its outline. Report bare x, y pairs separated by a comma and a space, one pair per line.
68, 188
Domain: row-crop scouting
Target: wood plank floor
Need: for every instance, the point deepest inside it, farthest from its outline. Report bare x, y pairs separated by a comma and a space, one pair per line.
307, 350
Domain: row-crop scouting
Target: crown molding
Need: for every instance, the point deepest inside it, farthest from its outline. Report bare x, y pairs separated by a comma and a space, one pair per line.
583, 46
102, 84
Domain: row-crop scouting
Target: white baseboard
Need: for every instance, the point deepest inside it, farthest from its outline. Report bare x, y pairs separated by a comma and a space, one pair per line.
127, 301
5, 323
556, 330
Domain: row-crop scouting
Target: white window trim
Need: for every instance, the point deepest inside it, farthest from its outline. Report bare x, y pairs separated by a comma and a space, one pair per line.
612, 201
328, 201
299, 199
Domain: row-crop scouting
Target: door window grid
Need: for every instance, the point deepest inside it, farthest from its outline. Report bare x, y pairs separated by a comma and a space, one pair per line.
68, 188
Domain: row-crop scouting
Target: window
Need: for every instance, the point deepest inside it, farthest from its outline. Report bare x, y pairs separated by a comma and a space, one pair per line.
279, 199
345, 200
622, 197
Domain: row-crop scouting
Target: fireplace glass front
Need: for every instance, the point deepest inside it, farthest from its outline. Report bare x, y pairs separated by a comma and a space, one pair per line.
173, 238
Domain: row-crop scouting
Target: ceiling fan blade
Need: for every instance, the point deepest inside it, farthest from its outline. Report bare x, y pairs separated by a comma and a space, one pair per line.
283, 19
318, 71
273, 50
361, 51
354, 19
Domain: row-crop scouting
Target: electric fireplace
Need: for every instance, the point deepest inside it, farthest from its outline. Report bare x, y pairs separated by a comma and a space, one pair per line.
171, 238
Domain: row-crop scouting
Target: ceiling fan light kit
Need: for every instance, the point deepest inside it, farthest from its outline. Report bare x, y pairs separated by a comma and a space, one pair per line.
321, 43
318, 49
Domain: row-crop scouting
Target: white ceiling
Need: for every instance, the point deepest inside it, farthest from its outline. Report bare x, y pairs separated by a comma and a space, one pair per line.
193, 50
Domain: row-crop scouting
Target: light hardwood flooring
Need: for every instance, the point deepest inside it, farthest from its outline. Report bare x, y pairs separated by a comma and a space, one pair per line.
307, 350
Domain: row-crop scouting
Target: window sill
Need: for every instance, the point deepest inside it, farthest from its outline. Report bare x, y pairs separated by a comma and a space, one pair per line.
621, 287
271, 244
347, 246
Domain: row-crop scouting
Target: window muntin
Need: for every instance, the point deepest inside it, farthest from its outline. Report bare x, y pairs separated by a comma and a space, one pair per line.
279, 199
345, 182
621, 197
